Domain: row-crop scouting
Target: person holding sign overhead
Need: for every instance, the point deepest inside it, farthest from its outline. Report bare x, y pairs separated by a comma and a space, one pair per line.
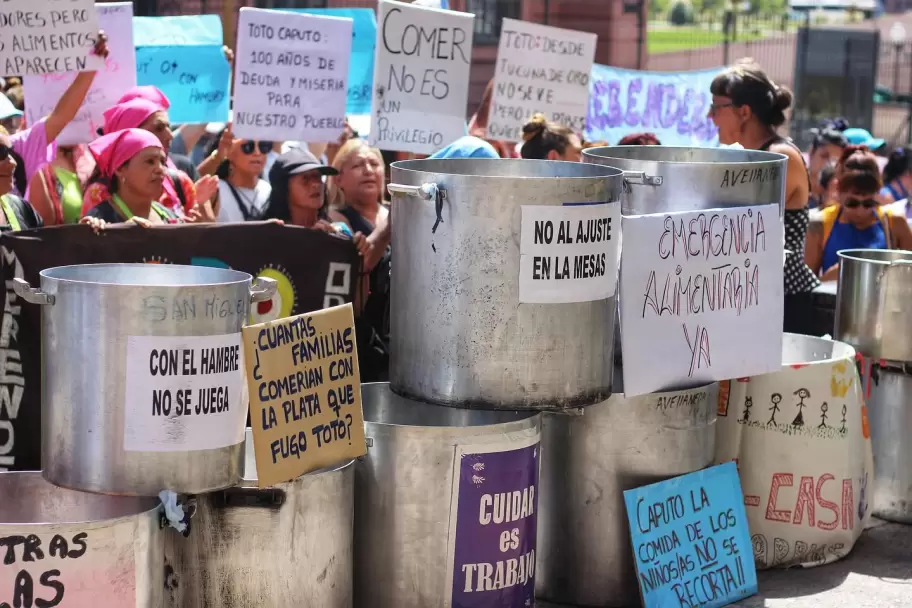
858, 221
17, 213
748, 107
545, 140
131, 167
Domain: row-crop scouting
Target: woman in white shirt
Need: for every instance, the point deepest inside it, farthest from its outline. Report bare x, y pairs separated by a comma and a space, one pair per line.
243, 194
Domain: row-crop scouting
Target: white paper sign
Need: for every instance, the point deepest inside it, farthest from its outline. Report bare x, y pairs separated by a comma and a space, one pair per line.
540, 69
119, 74
291, 76
421, 77
47, 36
568, 253
701, 297
184, 393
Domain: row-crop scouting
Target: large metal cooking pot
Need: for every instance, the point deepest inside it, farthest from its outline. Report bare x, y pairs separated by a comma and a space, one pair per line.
665, 179
889, 389
872, 302
77, 549
435, 497
459, 334
288, 545
585, 557
143, 383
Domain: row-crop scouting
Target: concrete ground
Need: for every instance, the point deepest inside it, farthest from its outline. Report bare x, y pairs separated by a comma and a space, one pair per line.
877, 574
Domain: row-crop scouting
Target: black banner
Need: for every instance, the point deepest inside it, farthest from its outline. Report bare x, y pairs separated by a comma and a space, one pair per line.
313, 270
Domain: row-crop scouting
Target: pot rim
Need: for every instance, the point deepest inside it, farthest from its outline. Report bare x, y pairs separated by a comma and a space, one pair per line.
861, 255
415, 167
48, 273
602, 153
848, 352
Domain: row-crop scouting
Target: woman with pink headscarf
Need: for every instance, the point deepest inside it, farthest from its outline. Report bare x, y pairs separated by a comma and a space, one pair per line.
146, 108
132, 167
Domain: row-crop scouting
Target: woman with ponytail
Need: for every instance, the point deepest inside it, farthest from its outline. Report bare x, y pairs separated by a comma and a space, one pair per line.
748, 107
545, 140
858, 221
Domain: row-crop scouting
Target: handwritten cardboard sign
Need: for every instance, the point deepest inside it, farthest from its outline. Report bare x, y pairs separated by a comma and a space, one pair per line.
291, 76
183, 57
305, 393
421, 79
361, 64
704, 289
119, 74
673, 105
540, 69
48, 37
690, 538
569, 253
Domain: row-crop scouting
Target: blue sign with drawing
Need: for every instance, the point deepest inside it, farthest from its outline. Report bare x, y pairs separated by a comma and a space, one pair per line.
183, 57
361, 64
691, 544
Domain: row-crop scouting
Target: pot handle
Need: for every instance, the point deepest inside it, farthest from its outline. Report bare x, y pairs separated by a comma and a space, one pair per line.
641, 179
31, 294
893, 264
262, 289
270, 498
429, 192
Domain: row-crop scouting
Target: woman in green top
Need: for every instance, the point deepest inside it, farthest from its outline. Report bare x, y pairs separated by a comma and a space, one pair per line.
56, 190
16, 213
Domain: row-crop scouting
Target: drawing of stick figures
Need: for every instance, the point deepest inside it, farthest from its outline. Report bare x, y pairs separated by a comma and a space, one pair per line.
774, 399
842, 429
823, 416
802, 394
748, 404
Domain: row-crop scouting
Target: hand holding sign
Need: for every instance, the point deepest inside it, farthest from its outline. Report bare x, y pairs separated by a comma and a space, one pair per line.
305, 393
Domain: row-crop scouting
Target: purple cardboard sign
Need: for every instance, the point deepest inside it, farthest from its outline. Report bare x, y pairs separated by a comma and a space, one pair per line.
494, 518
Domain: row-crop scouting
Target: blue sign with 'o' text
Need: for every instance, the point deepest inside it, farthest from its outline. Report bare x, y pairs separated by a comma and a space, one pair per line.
690, 538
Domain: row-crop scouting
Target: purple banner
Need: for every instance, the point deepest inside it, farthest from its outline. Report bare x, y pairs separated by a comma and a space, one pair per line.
494, 549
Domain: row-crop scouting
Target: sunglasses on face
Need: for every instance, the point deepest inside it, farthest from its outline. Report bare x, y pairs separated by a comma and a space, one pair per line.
852, 203
715, 107
265, 147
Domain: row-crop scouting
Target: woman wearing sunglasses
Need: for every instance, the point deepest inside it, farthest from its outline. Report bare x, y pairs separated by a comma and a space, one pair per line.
243, 195
16, 212
858, 221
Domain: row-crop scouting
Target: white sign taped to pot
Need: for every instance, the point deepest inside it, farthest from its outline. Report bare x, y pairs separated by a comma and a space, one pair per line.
291, 76
421, 77
119, 75
701, 297
184, 393
569, 253
48, 37
540, 69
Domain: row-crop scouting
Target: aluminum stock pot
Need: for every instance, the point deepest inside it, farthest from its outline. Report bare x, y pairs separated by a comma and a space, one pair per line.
287, 545
143, 387
872, 302
471, 325
66, 548
591, 458
666, 179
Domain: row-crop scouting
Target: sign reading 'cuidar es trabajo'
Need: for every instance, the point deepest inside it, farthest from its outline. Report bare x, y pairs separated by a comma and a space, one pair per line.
704, 288
691, 542
305, 393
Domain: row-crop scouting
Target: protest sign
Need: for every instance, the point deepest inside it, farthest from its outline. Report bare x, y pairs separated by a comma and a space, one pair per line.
690, 539
540, 69
421, 83
305, 393
322, 273
48, 37
183, 57
291, 75
704, 288
119, 74
568, 253
673, 105
361, 64
493, 518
